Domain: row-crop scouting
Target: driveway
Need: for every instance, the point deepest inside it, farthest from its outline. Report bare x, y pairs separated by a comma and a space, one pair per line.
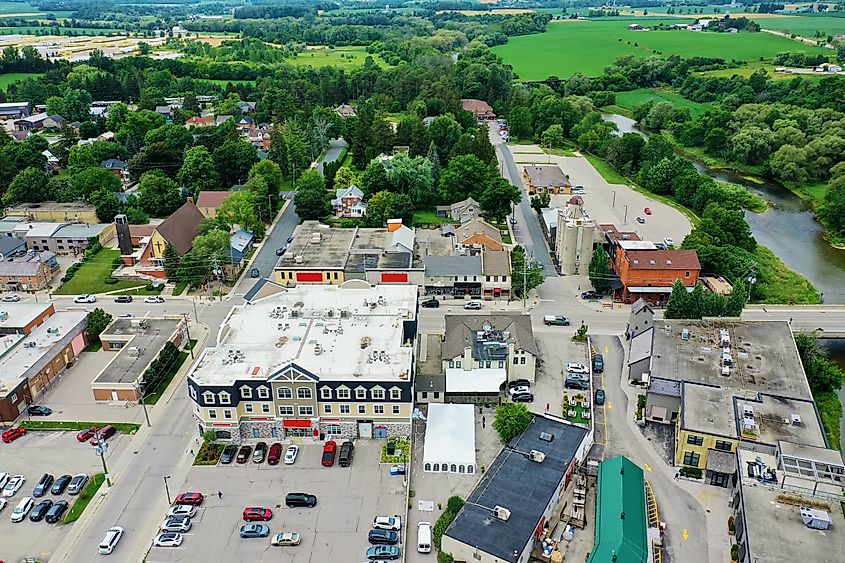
265, 259
336, 147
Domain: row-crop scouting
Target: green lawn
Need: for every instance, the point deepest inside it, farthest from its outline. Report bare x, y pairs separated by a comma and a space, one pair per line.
63, 425
807, 26
424, 218
588, 46
153, 397
777, 283
18, 8
830, 411
84, 498
91, 276
753, 67
340, 56
225, 82
6, 79
605, 169
633, 98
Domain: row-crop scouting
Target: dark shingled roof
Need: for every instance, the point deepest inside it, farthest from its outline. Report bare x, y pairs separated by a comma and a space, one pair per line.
522, 486
461, 331
181, 228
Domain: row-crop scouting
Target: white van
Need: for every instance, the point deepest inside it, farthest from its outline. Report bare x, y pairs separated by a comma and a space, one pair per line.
22, 509
424, 537
110, 540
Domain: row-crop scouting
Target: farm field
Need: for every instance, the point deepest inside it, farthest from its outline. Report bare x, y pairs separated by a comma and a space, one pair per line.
224, 82
807, 26
6, 79
8, 8
751, 68
633, 98
588, 46
341, 57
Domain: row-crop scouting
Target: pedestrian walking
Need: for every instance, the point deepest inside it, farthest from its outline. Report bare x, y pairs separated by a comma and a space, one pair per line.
548, 406
483, 422
219, 494
192, 452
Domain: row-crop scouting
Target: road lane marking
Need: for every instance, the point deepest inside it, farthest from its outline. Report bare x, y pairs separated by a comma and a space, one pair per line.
606, 349
609, 405
686, 534
647, 467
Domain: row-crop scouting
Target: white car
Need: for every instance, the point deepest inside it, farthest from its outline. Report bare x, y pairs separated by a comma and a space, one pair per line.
290, 454
110, 540
473, 305
182, 510
22, 509
154, 299
519, 390
13, 486
176, 524
669, 241
393, 523
168, 539
87, 298
4, 478
11, 298
577, 368
3, 503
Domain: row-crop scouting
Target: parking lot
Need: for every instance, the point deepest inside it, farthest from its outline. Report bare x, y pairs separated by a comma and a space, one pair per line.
32, 455
335, 530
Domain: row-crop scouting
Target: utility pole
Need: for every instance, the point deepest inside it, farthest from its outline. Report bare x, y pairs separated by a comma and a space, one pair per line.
143, 404
100, 450
524, 276
188, 334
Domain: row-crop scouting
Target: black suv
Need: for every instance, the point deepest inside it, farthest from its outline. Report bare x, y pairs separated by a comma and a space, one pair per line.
40, 511
576, 381
432, 303
43, 485
293, 500
598, 363
61, 484
229, 453
347, 452
591, 295
123, 299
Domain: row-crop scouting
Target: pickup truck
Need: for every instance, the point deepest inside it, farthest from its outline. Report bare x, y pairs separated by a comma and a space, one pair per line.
559, 320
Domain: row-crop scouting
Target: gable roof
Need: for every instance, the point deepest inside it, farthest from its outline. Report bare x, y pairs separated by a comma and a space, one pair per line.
546, 176
477, 226
182, 227
620, 513
662, 260
461, 331
640, 305
113, 164
240, 240
211, 199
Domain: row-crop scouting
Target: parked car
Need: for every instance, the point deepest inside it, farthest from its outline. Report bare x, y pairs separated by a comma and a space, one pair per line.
87, 434
432, 303
389, 552
575, 381
598, 363
43, 486
110, 540
182, 510
254, 273
558, 320
257, 514
382, 537
286, 539
274, 454
255, 531
123, 299
573, 367
393, 523
295, 500
38, 410
599, 396
669, 241
4, 478
522, 398
77, 484
290, 239
591, 295
290, 454
3, 503
104, 434
22, 509
647, 210
192, 497
11, 298
168, 539
56, 512
13, 434
13, 485
641, 220
282, 250
40, 511
154, 299
518, 390
176, 524
260, 452
243, 454
228, 453
87, 298
473, 305
329, 452
347, 452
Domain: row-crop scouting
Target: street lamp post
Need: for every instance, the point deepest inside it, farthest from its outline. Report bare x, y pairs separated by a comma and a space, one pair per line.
614, 199
100, 450
188, 334
167, 489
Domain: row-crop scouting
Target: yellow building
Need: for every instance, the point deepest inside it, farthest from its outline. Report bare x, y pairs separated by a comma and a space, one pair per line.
52, 212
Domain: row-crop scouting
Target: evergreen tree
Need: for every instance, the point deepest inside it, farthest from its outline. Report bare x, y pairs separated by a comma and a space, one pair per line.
435, 163
171, 261
599, 269
678, 305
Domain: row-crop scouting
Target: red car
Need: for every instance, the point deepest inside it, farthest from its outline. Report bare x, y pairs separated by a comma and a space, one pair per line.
13, 434
191, 498
329, 451
86, 434
257, 514
243, 454
647, 210
105, 433
275, 454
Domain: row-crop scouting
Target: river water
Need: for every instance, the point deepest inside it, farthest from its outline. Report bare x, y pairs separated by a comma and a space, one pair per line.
788, 227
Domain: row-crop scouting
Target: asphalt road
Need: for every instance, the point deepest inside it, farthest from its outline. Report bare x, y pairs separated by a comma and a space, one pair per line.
266, 259
335, 148
527, 230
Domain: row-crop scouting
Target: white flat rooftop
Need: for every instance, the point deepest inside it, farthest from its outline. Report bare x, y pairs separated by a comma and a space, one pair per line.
20, 314
480, 380
332, 332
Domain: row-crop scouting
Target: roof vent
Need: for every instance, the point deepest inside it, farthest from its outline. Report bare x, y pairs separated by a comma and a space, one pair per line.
501, 513
537, 455
795, 419
546, 436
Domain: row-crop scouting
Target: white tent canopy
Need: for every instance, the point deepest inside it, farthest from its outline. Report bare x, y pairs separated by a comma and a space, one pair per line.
450, 439
478, 380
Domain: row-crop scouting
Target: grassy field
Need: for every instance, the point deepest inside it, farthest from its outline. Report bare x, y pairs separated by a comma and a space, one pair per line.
428, 218
777, 283
91, 276
224, 82
753, 67
6, 79
588, 46
340, 56
807, 26
7, 8
633, 98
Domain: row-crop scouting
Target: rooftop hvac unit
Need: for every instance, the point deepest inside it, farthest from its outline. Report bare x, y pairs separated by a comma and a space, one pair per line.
501, 513
298, 259
4, 315
29, 345
537, 455
814, 518
795, 419
747, 411
685, 334
53, 330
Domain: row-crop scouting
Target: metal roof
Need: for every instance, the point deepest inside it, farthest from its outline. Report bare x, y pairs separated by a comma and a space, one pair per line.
620, 513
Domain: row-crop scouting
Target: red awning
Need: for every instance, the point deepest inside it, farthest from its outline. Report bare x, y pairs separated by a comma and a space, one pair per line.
295, 423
